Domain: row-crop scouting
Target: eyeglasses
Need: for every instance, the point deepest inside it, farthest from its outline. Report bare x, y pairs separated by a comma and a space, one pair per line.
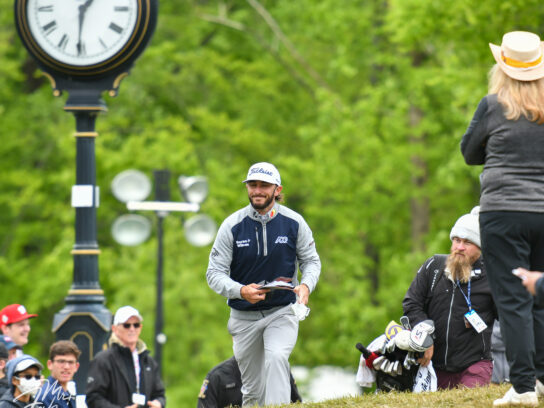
29, 377
65, 362
135, 325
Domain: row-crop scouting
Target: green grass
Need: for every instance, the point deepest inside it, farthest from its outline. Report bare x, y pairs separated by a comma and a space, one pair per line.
475, 397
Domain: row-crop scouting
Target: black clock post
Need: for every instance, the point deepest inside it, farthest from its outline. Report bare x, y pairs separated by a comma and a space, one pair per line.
108, 41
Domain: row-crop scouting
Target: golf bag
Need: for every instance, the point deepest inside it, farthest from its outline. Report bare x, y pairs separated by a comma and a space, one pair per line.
392, 363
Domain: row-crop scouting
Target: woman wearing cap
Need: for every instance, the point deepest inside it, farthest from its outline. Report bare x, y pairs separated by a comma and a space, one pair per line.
506, 134
24, 377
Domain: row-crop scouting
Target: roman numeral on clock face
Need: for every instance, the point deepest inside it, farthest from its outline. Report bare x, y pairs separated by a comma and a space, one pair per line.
63, 42
116, 28
50, 27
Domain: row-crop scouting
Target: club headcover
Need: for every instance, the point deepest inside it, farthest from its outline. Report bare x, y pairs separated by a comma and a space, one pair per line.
402, 340
421, 336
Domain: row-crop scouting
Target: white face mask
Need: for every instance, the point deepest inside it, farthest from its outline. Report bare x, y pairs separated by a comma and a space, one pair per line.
29, 386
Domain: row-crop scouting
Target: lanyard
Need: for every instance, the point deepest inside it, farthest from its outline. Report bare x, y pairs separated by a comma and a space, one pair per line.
137, 369
467, 298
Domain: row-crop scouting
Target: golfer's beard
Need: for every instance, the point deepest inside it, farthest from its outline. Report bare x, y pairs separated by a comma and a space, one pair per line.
459, 266
261, 206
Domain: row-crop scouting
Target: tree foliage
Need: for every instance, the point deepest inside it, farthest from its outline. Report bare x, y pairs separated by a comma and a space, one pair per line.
360, 104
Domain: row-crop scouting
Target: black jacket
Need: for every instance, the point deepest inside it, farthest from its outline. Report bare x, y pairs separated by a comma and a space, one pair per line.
111, 380
3, 385
7, 401
432, 295
222, 387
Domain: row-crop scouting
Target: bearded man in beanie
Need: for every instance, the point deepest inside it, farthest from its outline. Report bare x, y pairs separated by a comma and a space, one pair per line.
452, 291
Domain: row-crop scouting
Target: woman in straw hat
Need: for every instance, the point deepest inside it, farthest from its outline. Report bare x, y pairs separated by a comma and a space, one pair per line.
506, 134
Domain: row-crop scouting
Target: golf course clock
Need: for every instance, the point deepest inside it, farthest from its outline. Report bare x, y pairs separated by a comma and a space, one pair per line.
85, 39
84, 48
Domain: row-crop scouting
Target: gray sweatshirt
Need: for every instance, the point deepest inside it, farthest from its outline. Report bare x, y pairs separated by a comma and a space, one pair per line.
250, 248
513, 156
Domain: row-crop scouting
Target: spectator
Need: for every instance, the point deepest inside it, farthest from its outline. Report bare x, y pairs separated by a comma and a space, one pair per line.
24, 378
14, 322
222, 387
62, 364
501, 372
125, 375
13, 349
264, 241
452, 290
3, 361
506, 135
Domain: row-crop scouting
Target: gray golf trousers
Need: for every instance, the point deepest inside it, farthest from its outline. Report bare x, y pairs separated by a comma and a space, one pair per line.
262, 344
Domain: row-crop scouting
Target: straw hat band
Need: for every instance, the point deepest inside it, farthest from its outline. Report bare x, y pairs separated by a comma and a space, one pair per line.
520, 64
520, 56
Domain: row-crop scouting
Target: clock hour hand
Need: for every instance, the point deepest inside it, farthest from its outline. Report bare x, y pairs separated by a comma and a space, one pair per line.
82, 10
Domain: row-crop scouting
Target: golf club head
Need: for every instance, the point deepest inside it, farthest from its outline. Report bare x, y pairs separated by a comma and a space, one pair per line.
390, 345
394, 368
405, 321
384, 365
378, 362
399, 368
407, 364
390, 367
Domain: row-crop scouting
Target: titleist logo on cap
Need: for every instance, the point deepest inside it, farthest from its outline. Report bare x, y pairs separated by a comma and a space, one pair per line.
260, 170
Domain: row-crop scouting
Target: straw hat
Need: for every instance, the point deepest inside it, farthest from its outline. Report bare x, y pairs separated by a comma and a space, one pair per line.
520, 56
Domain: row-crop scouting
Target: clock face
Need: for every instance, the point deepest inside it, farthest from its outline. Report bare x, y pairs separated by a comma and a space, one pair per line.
82, 32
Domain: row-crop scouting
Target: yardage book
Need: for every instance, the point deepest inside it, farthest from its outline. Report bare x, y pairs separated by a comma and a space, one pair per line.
277, 284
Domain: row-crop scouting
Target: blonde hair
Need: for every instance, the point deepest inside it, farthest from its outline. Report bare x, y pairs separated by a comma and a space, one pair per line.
518, 98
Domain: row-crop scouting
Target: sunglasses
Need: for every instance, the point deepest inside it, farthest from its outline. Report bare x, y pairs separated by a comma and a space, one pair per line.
29, 377
135, 325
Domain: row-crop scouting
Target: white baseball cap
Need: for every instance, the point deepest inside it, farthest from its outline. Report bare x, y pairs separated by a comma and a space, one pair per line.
124, 313
264, 171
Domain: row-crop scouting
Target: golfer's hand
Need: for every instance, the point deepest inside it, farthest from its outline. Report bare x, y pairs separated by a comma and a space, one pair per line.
303, 293
427, 356
252, 294
528, 279
154, 404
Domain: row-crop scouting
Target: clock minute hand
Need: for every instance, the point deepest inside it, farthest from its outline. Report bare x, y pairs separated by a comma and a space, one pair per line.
82, 10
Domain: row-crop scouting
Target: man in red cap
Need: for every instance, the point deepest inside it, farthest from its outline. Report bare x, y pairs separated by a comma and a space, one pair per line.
14, 323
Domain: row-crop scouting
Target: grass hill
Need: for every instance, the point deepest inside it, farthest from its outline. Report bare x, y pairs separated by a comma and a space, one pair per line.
458, 398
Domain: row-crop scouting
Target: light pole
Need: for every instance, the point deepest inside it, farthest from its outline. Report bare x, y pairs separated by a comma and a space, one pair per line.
133, 187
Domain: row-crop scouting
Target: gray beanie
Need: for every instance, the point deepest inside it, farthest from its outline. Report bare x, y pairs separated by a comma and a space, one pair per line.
468, 227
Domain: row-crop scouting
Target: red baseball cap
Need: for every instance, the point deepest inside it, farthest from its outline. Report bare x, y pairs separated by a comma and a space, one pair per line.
13, 314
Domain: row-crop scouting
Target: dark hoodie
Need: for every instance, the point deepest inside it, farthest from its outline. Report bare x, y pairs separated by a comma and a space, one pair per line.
8, 400
3, 385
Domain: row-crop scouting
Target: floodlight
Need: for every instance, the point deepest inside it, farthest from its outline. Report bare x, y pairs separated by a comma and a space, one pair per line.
131, 229
194, 188
200, 230
131, 185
